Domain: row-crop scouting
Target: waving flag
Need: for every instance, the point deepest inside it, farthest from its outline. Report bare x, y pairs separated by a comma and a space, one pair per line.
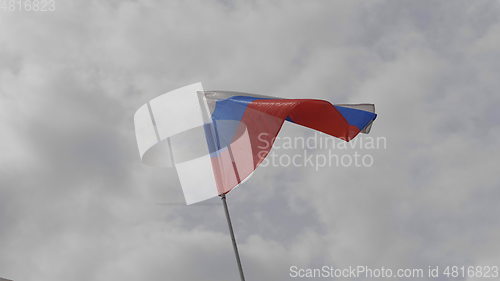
216, 139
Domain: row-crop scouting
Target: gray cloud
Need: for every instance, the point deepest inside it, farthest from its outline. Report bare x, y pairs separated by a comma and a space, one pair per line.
76, 204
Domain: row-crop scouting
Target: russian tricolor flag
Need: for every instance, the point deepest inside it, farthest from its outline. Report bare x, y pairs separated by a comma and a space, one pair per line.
216, 139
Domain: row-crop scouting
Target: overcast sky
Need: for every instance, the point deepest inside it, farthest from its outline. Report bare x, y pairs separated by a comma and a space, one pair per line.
76, 203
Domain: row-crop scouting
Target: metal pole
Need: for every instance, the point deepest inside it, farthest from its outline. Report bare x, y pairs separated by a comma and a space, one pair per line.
235, 247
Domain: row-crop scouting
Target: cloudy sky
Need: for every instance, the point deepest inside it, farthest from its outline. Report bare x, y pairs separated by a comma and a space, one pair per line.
77, 204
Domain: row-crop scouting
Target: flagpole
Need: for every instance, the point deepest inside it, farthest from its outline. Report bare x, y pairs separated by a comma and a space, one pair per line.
235, 247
